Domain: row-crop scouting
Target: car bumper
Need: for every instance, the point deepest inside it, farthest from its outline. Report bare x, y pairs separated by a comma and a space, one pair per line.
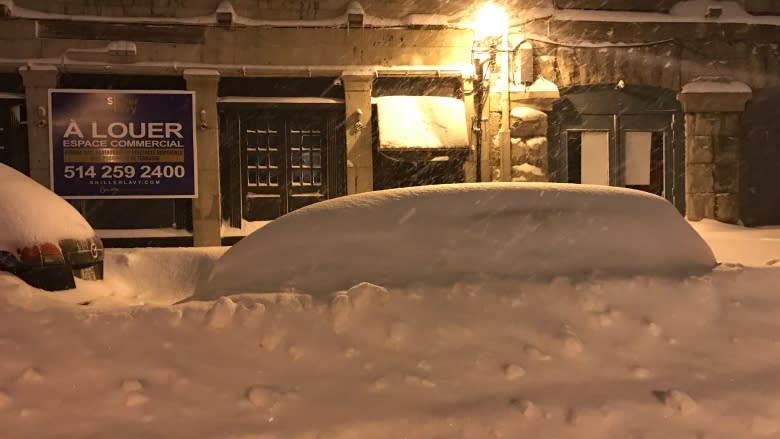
85, 256
47, 277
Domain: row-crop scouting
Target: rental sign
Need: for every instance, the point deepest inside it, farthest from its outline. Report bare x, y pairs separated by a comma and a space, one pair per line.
122, 144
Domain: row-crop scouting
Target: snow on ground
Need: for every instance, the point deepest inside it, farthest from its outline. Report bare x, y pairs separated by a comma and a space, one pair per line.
638, 357
759, 246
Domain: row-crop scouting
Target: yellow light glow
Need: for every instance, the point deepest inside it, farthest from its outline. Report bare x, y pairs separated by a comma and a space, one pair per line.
491, 21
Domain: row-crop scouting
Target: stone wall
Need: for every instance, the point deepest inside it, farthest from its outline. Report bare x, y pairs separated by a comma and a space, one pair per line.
712, 163
657, 66
751, 6
665, 59
250, 46
322, 9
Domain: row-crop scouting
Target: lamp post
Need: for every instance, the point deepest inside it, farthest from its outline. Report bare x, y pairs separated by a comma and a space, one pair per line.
504, 139
491, 31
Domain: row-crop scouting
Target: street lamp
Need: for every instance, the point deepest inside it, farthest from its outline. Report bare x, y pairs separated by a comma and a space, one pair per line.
491, 35
490, 22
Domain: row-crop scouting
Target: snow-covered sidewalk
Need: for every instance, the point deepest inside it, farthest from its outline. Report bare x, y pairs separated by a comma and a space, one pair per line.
622, 358
755, 247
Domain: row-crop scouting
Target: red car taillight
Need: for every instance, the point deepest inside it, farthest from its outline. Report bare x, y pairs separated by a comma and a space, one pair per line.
43, 254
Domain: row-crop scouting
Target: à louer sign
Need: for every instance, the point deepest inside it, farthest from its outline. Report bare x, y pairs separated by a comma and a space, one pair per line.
122, 144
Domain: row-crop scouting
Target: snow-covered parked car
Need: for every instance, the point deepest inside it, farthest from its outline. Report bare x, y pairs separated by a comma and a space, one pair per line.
43, 239
435, 234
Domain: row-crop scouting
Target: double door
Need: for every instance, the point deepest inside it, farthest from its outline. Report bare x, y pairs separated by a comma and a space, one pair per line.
279, 159
633, 151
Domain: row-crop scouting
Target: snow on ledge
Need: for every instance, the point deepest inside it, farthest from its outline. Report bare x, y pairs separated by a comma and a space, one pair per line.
210, 19
142, 233
277, 100
716, 85
543, 85
11, 95
698, 8
528, 168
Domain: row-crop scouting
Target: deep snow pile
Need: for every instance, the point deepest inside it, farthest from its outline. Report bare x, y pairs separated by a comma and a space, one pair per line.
24, 222
437, 234
634, 358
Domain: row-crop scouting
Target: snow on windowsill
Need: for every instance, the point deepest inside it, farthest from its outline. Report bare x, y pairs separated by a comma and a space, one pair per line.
277, 100
247, 227
142, 233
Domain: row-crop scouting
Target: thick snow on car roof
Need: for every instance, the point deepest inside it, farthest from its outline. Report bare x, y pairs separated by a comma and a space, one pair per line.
32, 214
434, 234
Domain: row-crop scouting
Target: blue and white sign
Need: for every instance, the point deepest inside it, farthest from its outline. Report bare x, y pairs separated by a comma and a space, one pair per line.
122, 144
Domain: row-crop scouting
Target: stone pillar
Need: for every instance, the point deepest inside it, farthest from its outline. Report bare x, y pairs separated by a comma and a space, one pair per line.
37, 82
470, 166
357, 100
712, 114
529, 156
207, 207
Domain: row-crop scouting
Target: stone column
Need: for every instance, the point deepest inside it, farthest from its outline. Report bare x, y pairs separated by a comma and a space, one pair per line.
357, 100
529, 144
528, 130
37, 82
470, 166
207, 207
712, 113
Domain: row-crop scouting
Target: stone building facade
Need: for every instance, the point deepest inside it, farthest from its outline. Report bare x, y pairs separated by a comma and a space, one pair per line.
672, 97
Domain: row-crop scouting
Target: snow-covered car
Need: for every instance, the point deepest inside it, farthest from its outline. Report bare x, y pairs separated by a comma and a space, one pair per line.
44, 240
433, 234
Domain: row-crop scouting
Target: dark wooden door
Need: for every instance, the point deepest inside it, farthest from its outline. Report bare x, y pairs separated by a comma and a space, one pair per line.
760, 160
277, 159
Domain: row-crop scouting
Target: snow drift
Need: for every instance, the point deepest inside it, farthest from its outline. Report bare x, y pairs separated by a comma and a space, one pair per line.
435, 234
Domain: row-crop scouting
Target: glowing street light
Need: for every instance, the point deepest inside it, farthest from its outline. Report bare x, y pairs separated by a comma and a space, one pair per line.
491, 22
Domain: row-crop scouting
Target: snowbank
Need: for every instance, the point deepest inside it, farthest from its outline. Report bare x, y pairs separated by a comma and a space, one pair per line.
32, 214
436, 234
631, 358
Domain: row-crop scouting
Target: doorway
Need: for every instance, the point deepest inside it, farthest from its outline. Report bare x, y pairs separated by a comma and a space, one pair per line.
760, 160
276, 158
630, 137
